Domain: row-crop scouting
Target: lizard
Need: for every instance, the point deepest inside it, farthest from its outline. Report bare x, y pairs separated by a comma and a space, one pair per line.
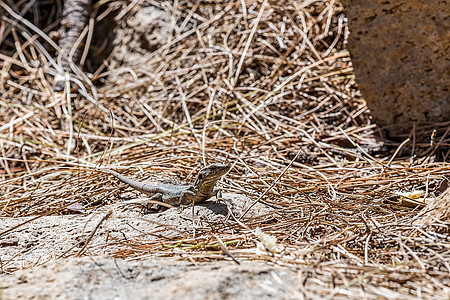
202, 189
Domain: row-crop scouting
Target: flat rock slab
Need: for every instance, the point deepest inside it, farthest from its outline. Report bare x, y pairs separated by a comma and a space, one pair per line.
109, 278
401, 57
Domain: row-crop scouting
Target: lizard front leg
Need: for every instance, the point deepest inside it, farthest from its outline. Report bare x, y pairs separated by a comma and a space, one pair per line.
186, 198
218, 194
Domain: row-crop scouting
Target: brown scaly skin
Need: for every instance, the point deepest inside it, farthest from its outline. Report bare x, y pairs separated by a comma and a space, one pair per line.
182, 194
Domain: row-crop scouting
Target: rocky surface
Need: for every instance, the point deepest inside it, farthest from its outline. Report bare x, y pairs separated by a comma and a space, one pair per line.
109, 278
400, 54
36, 246
37, 241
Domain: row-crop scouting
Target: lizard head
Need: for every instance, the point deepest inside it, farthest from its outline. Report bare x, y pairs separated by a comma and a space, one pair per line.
208, 176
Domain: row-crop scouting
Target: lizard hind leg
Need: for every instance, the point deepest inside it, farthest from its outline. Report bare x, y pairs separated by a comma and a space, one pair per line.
155, 199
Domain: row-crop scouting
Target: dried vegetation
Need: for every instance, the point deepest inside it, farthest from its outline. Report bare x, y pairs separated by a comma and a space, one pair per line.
265, 86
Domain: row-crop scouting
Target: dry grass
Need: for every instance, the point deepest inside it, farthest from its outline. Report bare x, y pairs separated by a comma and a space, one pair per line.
267, 88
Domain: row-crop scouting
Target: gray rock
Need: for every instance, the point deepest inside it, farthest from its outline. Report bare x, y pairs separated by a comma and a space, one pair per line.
109, 278
401, 56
